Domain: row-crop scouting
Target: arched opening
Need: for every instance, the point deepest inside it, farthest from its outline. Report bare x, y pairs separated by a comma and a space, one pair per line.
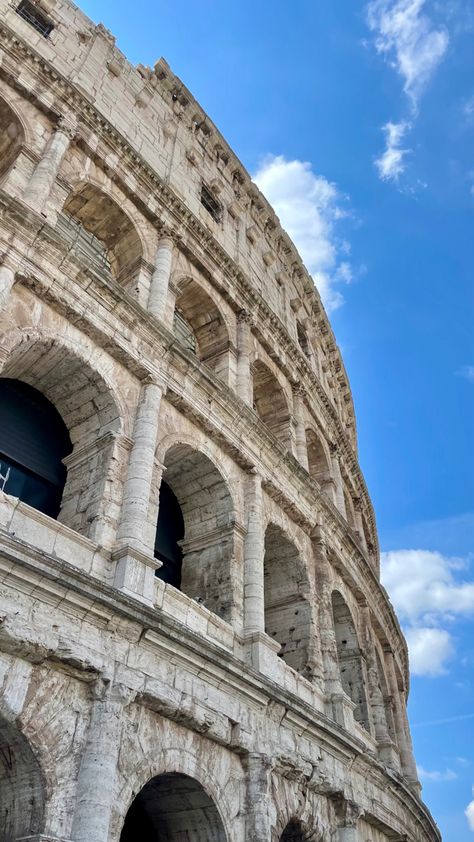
195, 530
12, 137
294, 832
287, 610
303, 339
350, 658
102, 231
200, 327
85, 415
21, 786
34, 440
318, 465
173, 808
269, 402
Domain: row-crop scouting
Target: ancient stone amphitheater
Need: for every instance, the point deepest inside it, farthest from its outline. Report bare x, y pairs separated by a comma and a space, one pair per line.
194, 642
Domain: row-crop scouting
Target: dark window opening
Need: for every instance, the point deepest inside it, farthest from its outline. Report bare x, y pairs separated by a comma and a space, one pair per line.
210, 203
33, 16
169, 531
33, 442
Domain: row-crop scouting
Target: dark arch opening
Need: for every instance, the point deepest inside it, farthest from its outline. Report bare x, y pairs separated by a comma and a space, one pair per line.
173, 808
293, 832
21, 786
350, 658
169, 532
33, 442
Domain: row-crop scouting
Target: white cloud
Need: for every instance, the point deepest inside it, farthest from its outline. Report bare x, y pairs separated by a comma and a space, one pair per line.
309, 208
391, 163
427, 592
430, 650
407, 37
469, 813
435, 775
467, 371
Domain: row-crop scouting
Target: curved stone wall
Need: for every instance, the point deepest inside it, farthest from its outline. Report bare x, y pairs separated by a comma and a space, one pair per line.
149, 293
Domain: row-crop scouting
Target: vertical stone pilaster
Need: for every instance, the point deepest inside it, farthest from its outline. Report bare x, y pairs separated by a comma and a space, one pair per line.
39, 187
244, 341
330, 662
136, 565
258, 822
160, 278
300, 431
254, 549
402, 727
7, 279
97, 773
377, 711
359, 524
338, 483
348, 813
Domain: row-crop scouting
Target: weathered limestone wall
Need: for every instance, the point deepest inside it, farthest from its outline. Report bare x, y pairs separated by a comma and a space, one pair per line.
265, 698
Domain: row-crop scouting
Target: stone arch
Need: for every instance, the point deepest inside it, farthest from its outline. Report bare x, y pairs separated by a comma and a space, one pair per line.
12, 136
207, 546
318, 459
201, 327
22, 784
173, 807
350, 658
306, 824
288, 617
105, 231
186, 762
89, 408
270, 403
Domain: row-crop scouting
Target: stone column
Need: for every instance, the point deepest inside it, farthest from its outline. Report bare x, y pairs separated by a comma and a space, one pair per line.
160, 278
39, 187
254, 550
300, 431
135, 572
339, 485
332, 676
348, 814
377, 711
258, 820
359, 524
402, 727
244, 342
97, 773
7, 278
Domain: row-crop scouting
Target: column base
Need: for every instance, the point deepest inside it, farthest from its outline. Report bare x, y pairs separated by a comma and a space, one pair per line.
135, 573
388, 754
261, 653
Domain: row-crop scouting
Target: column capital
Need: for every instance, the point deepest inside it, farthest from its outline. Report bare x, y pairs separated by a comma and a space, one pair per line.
246, 316
67, 124
348, 812
298, 390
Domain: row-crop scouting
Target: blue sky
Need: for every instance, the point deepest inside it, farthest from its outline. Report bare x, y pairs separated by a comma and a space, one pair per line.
357, 121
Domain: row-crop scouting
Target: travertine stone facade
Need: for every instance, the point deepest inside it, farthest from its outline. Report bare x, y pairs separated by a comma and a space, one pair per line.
149, 294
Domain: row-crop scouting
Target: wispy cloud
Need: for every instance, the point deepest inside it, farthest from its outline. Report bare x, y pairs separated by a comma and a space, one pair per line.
408, 39
435, 775
469, 813
446, 721
392, 163
466, 371
414, 47
429, 590
310, 208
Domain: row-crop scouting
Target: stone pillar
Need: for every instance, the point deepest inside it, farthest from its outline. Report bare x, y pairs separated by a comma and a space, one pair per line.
377, 711
97, 773
160, 278
258, 820
348, 814
359, 523
339, 485
39, 187
254, 550
7, 279
135, 571
300, 431
244, 342
402, 727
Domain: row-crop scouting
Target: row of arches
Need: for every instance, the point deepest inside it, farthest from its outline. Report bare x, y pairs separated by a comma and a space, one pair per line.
106, 234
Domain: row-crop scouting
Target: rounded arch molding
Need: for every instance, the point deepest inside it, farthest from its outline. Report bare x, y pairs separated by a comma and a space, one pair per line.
181, 761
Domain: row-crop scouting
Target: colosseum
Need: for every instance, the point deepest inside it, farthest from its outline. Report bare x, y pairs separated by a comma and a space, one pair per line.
194, 642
